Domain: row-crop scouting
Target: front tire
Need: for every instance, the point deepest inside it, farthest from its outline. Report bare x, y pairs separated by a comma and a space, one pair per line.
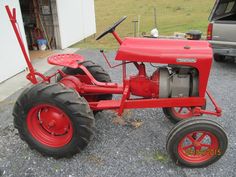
177, 114
196, 142
53, 119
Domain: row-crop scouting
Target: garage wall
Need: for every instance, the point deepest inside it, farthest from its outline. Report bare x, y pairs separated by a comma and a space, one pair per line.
11, 58
76, 20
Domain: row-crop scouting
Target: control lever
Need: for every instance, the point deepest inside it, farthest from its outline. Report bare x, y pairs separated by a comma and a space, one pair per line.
102, 52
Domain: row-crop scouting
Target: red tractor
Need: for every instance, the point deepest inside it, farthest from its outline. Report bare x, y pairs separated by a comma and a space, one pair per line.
57, 119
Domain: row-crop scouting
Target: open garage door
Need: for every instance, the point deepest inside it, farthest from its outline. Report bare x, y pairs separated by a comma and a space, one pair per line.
12, 60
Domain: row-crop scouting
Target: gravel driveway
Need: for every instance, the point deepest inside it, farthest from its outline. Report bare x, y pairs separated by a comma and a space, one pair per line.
121, 150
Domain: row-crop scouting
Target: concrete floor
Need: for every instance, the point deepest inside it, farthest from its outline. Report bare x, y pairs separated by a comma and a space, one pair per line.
19, 81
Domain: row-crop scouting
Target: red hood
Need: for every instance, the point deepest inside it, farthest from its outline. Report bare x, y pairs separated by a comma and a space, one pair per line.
156, 50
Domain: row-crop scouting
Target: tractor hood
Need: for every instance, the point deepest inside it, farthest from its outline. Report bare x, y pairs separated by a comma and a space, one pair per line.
165, 51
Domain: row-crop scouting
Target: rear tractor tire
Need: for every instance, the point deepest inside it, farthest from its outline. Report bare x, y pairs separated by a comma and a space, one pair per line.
53, 119
97, 72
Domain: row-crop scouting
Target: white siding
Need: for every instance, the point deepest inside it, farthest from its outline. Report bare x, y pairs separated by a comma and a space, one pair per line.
11, 58
76, 20
89, 17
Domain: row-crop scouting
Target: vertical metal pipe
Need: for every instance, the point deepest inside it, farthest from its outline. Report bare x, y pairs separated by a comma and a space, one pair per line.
124, 71
12, 17
139, 25
155, 17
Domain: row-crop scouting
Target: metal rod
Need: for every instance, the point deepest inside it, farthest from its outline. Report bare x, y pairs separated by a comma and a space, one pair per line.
139, 25
105, 57
155, 17
149, 103
217, 108
124, 71
12, 17
135, 27
119, 40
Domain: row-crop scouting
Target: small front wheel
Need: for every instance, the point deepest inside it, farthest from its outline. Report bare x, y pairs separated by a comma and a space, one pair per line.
176, 114
196, 142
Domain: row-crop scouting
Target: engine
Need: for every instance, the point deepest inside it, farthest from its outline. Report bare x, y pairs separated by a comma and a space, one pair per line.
171, 81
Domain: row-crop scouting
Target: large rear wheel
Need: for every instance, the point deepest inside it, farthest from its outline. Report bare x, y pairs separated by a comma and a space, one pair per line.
97, 72
53, 119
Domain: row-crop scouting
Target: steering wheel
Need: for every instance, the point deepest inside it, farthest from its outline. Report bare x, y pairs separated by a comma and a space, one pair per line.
112, 28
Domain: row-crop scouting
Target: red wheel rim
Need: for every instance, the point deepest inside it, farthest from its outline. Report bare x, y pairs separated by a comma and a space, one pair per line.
198, 147
49, 125
182, 112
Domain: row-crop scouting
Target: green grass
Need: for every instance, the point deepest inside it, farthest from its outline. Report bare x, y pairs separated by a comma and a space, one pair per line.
172, 16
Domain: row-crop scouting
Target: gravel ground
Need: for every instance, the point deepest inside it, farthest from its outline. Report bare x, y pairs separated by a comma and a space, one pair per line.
121, 150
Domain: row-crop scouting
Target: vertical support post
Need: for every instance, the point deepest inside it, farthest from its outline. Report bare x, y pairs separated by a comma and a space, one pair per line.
155, 17
124, 71
139, 25
217, 108
126, 95
12, 17
135, 27
142, 70
117, 37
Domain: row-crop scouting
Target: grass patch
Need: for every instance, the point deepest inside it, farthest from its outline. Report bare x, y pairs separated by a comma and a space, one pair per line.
172, 16
160, 156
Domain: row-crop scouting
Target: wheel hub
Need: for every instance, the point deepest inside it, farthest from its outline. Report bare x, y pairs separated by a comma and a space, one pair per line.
194, 149
53, 121
197, 144
49, 125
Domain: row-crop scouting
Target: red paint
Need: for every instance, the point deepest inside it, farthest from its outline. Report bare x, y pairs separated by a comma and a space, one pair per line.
217, 108
115, 66
117, 37
86, 87
141, 85
149, 103
125, 96
164, 50
72, 82
94, 81
12, 17
68, 60
167, 51
196, 150
182, 112
197, 54
49, 125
